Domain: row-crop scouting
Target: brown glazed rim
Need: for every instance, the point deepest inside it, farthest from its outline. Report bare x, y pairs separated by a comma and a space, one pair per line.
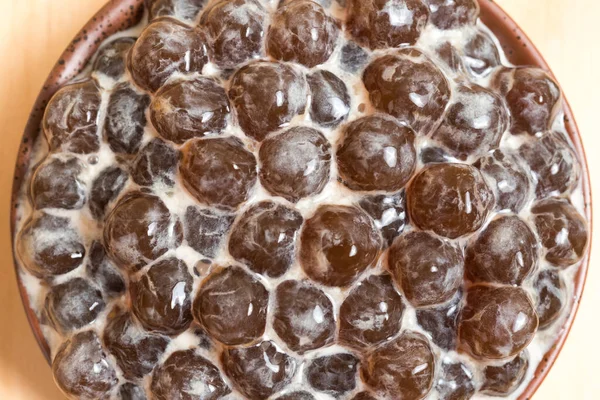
118, 15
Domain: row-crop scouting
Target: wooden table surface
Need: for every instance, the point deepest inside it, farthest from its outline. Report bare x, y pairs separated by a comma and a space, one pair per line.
34, 32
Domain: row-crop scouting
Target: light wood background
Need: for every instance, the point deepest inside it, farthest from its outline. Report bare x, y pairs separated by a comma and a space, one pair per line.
34, 32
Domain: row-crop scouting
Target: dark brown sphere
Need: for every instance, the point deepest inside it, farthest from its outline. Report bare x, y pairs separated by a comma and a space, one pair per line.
236, 30
330, 101
364, 396
186, 10
303, 316
429, 269
371, 314
135, 350
295, 163
49, 246
474, 122
455, 382
82, 368
139, 230
264, 238
73, 305
302, 32
353, 58
403, 368
165, 47
258, 371
186, 375
301, 395
450, 199
338, 243
506, 252
130, 391
496, 322
156, 164
441, 322
161, 298
562, 231
407, 85
206, 229
505, 379
112, 57
334, 374
218, 172
266, 96
552, 163
58, 183
481, 55
106, 187
380, 24
126, 119
388, 212
532, 98
231, 305
508, 178
187, 109
551, 295
102, 271
453, 14
376, 153
71, 118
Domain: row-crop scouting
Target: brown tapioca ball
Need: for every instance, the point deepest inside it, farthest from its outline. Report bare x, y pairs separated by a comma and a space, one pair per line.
50, 246
551, 296
130, 391
505, 379
450, 199
402, 369
407, 85
389, 23
364, 396
388, 212
71, 118
376, 153
186, 10
302, 32
474, 123
562, 231
353, 57
429, 269
455, 382
532, 98
496, 322
161, 298
112, 57
453, 14
297, 396
303, 316
219, 172
232, 306
156, 163
102, 271
190, 108
236, 29
165, 47
186, 375
434, 155
553, 164
508, 179
206, 229
140, 229
258, 371
73, 305
266, 96
295, 163
371, 314
441, 321
82, 368
481, 55
506, 252
450, 56
338, 243
334, 374
105, 188
264, 238
330, 102
57, 183
135, 350
126, 119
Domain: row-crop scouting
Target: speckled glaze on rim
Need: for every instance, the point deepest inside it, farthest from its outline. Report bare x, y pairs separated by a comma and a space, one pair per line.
118, 15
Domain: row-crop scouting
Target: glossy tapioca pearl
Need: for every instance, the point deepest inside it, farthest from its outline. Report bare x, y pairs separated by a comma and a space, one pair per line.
58, 183
453, 14
126, 119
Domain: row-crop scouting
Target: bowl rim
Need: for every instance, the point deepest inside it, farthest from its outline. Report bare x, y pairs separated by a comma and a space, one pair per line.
119, 15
